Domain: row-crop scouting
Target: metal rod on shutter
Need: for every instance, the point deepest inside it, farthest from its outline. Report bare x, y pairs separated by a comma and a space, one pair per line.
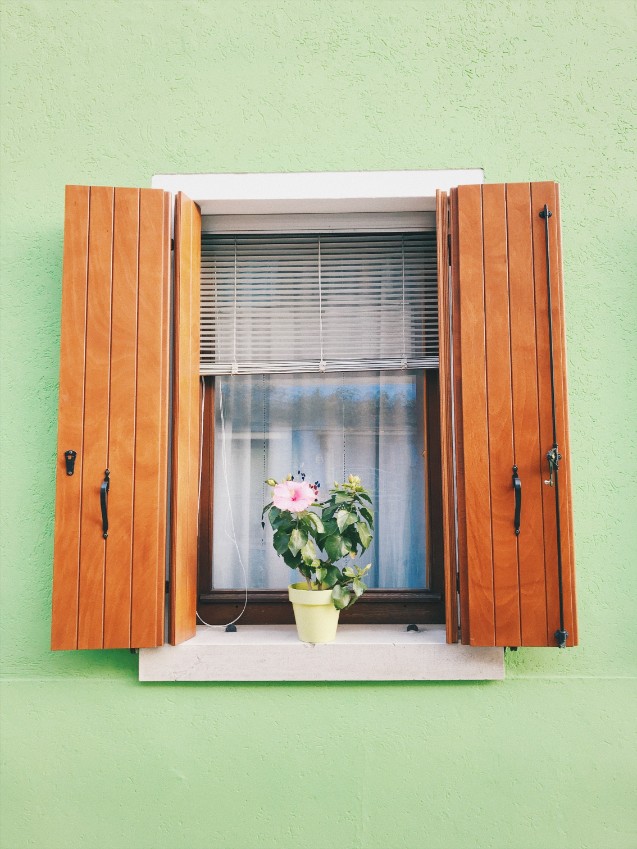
553, 455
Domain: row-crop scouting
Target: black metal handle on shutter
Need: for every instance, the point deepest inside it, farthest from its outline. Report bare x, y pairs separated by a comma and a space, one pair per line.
517, 488
104, 501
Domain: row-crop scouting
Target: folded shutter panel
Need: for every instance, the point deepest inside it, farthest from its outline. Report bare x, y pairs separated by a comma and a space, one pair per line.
497, 372
114, 350
186, 421
446, 421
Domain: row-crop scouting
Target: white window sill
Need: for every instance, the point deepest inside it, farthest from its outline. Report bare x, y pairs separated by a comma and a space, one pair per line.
359, 653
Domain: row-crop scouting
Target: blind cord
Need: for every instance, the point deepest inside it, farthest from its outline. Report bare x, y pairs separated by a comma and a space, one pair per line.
322, 363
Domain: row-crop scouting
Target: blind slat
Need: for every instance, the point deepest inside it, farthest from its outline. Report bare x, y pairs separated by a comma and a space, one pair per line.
275, 303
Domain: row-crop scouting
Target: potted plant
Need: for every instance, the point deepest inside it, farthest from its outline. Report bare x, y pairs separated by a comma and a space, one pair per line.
313, 537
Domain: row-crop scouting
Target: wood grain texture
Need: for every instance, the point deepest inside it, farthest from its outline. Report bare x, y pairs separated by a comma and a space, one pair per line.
96, 417
66, 552
162, 530
150, 456
121, 454
185, 477
500, 417
528, 453
446, 422
462, 578
114, 405
475, 447
502, 390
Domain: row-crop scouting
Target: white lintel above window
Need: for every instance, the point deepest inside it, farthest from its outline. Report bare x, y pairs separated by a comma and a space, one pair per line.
316, 192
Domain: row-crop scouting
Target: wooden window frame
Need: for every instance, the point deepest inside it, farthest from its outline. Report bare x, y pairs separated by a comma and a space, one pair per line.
218, 607
384, 192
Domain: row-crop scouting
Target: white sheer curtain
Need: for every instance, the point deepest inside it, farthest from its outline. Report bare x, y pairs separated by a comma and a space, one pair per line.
328, 426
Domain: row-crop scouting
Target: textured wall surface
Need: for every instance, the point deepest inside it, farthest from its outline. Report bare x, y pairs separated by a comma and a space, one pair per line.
110, 92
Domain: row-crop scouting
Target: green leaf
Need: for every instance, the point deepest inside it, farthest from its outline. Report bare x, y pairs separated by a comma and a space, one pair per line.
341, 498
298, 538
365, 496
321, 574
335, 547
349, 572
342, 519
359, 587
314, 519
281, 541
364, 534
307, 552
291, 560
332, 576
341, 597
367, 514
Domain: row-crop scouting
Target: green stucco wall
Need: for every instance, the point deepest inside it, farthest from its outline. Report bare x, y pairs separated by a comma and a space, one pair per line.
110, 92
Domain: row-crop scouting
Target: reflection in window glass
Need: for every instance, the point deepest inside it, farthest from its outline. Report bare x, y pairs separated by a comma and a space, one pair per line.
328, 426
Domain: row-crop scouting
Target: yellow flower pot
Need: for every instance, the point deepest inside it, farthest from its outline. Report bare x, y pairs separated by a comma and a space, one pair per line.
314, 612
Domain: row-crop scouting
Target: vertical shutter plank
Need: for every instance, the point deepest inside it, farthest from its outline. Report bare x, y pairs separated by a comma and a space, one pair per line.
164, 429
545, 193
119, 549
526, 414
96, 413
458, 422
475, 417
500, 413
149, 500
66, 556
183, 577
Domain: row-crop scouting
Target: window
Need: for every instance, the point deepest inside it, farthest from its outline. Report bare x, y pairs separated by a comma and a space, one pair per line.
500, 390
318, 342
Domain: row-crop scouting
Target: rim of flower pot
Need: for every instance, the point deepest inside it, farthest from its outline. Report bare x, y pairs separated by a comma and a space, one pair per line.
301, 594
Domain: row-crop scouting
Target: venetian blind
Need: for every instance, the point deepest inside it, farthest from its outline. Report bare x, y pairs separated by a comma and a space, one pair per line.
274, 303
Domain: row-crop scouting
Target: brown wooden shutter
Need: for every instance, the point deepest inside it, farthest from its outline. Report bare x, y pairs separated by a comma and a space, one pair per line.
495, 375
108, 591
186, 422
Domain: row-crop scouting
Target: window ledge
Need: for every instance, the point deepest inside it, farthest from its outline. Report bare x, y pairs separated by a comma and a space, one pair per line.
359, 653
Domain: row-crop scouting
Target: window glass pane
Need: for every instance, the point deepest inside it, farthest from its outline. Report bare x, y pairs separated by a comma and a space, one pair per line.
327, 425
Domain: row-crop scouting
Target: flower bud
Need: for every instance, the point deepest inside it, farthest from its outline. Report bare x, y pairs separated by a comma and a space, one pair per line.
271, 482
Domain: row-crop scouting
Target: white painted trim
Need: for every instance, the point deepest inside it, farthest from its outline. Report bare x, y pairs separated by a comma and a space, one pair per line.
335, 222
313, 192
359, 653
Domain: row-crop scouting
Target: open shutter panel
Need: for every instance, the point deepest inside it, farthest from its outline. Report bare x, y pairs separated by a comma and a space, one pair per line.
186, 422
110, 525
496, 387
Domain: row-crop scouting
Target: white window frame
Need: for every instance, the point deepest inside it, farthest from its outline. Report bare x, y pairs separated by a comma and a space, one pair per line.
360, 652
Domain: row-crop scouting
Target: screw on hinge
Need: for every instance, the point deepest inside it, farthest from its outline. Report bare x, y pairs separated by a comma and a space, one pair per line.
167, 587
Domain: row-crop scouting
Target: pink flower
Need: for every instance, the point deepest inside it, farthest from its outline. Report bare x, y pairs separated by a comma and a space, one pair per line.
294, 496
